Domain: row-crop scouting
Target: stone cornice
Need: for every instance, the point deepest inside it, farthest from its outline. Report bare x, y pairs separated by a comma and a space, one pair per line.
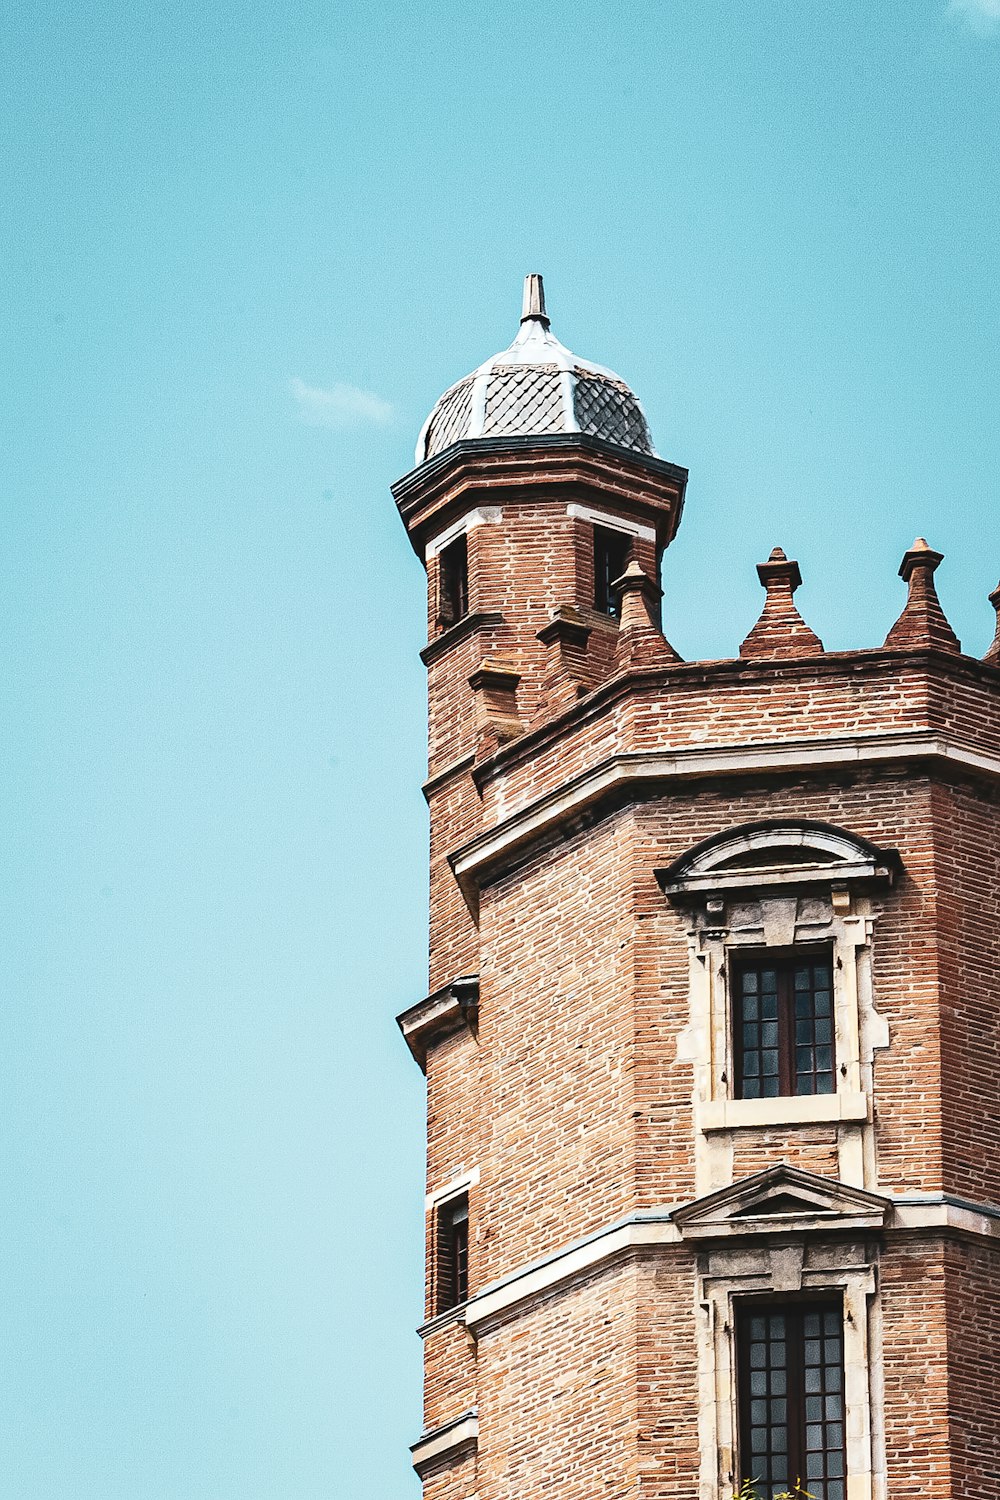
847, 664
934, 1214
623, 775
447, 1010
506, 467
446, 1443
522, 453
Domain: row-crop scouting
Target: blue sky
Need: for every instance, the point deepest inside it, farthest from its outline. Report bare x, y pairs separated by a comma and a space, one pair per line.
247, 248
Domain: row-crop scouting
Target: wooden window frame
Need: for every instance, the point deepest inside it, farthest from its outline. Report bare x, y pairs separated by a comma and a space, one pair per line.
794, 1310
783, 961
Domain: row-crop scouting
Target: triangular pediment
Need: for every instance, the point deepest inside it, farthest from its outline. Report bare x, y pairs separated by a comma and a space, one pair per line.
780, 1199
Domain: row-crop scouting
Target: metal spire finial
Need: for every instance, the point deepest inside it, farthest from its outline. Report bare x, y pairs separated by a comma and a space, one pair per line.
533, 304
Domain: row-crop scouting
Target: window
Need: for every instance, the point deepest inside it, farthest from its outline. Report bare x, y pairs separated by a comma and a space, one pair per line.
791, 1398
452, 1253
611, 554
783, 1040
453, 585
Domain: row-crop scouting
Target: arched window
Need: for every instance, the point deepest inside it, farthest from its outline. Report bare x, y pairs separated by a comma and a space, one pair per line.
783, 1025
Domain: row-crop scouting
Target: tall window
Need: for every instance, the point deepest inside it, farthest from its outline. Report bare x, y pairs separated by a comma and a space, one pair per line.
611, 554
791, 1398
783, 1039
453, 586
452, 1253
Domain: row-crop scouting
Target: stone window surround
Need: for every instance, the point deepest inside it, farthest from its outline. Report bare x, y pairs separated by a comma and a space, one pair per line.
729, 1275
811, 901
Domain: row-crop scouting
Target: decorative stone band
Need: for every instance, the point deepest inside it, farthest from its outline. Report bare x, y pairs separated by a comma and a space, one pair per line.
909, 1213
496, 849
446, 1443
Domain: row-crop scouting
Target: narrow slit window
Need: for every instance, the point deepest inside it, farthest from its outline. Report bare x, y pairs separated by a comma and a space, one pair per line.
611, 556
791, 1399
783, 1025
453, 1253
453, 587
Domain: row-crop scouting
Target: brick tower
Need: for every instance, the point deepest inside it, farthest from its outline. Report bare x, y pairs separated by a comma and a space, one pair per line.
712, 1041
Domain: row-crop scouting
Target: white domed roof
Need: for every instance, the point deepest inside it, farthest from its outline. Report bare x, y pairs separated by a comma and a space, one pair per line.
536, 386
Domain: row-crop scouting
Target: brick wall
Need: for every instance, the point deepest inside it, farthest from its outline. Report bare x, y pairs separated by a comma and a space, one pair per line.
570, 1097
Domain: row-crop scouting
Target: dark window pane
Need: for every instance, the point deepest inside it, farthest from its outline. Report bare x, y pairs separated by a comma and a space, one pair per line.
783, 1027
611, 554
452, 1253
454, 580
803, 1436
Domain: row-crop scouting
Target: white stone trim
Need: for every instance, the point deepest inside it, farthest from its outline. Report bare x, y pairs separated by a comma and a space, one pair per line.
464, 1431
811, 1109
933, 1212
923, 1211
483, 515
736, 1274
568, 1263
452, 1189
521, 824
612, 522
567, 382
760, 919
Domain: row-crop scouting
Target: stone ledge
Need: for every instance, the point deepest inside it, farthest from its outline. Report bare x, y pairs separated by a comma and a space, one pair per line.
809, 1109
938, 1214
446, 1010
620, 774
446, 1443
469, 624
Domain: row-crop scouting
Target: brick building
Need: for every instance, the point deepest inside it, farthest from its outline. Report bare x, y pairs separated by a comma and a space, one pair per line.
712, 1042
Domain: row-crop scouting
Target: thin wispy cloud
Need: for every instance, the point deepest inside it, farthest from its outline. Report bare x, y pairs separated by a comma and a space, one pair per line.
980, 16
339, 405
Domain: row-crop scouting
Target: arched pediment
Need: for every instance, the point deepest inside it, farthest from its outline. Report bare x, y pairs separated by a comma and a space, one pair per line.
774, 853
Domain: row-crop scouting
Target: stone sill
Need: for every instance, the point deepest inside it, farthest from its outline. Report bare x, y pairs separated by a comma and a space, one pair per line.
810, 1109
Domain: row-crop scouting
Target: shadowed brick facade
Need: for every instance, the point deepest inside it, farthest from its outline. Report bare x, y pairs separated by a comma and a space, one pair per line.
613, 832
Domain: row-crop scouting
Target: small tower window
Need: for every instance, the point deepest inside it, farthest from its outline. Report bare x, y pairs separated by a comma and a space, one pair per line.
453, 585
452, 1257
791, 1399
783, 1025
611, 555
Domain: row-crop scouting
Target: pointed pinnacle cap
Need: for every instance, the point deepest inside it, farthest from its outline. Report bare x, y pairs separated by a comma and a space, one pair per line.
778, 569
640, 642
780, 630
922, 624
920, 555
533, 302
993, 654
